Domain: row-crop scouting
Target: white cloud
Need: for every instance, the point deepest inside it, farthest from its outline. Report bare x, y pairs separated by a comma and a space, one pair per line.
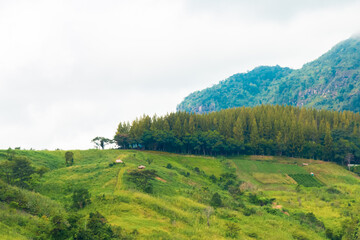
71, 70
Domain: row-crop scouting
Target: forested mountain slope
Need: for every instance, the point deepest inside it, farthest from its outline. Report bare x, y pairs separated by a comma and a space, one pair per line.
329, 82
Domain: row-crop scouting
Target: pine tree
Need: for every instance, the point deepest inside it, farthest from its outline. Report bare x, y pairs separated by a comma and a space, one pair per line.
254, 136
328, 145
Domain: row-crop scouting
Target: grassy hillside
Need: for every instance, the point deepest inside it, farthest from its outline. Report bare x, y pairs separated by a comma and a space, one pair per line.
330, 82
260, 199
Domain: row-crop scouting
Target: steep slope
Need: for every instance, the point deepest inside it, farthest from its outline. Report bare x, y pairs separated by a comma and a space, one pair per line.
330, 82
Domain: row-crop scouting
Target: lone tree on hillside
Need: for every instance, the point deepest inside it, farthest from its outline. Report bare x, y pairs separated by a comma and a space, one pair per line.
81, 198
216, 200
101, 142
149, 160
69, 158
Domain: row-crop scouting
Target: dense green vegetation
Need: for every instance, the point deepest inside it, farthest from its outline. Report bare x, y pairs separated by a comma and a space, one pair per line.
265, 129
306, 180
192, 197
330, 82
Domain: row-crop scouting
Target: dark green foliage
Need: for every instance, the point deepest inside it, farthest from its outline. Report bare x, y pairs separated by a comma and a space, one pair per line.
22, 170
306, 180
267, 130
245, 90
310, 220
149, 160
333, 190
249, 211
142, 179
261, 201
42, 170
330, 82
216, 200
169, 166
98, 227
101, 142
10, 154
228, 181
213, 178
273, 211
232, 230
18, 171
330, 234
299, 236
69, 158
60, 229
81, 198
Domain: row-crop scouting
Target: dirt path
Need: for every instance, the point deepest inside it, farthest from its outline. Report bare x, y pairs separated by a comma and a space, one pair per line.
160, 179
119, 180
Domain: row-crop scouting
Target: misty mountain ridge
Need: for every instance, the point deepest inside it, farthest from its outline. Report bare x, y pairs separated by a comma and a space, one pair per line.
329, 82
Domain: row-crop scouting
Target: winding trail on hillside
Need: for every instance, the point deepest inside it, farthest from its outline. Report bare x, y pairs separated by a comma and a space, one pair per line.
119, 180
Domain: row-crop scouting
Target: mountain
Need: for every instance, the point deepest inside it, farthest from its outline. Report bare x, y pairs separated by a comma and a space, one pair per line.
330, 82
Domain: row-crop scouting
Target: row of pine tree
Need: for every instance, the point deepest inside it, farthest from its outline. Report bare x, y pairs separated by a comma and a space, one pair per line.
265, 129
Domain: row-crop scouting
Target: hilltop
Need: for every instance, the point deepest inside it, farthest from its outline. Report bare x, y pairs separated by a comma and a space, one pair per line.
258, 194
330, 82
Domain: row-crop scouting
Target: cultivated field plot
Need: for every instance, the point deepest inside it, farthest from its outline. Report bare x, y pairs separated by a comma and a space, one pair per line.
273, 178
251, 167
306, 180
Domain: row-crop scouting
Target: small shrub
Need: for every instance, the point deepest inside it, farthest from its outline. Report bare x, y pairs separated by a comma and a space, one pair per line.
330, 234
213, 178
299, 236
249, 211
310, 220
169, 166
333, 190
261, 201
253, 235
216, 200
232, 230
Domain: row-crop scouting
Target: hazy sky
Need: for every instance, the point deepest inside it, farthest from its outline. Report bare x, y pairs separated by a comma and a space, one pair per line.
72, 70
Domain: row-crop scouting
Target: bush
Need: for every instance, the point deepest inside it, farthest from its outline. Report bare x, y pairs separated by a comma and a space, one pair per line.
142, 179
255, 199
216, 200
169, 166
232, 230
332, 235
333, 190
310, 220
213, 178
81, 198
249, 211
299, 236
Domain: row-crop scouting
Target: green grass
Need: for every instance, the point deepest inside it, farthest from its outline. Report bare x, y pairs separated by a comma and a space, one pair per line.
250, 166
176, 208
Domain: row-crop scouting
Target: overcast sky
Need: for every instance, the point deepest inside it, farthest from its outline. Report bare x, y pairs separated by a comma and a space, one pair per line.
72, 70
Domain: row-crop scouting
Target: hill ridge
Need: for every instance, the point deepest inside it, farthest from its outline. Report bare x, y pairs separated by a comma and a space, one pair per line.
329, 82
